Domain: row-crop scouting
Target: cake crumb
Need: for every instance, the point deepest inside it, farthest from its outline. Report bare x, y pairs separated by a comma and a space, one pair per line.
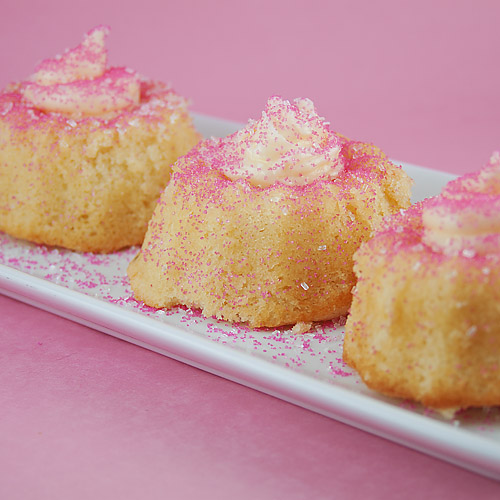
301, 327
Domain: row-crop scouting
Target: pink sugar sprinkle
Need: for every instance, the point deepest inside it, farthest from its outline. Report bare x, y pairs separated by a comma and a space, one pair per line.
339, 371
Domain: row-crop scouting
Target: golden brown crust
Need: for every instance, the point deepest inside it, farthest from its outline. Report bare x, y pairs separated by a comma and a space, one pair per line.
89, 184
275, 256
422, 325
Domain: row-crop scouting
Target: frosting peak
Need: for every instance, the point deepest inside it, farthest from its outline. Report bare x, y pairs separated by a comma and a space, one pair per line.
290, 144
465, 218
78, 82
85, 62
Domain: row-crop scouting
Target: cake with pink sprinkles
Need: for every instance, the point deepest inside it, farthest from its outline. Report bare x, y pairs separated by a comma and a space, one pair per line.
425, 319
86, 149
260, 227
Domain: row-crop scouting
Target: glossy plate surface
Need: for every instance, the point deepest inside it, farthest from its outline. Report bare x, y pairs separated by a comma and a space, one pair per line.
306, 370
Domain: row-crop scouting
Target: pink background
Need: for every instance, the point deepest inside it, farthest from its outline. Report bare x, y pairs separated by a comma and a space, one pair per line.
85, 415
420, 79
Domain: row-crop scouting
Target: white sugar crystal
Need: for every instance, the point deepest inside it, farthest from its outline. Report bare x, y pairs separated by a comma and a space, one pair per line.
7, 107
468, 253
471, 331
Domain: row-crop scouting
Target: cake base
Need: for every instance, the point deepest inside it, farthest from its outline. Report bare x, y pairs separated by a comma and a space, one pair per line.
425, 326
271, 256
88, 184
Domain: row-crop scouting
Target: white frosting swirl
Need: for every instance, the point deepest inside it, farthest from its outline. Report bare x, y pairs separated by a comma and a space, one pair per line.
79, 83
465, 218
290, 144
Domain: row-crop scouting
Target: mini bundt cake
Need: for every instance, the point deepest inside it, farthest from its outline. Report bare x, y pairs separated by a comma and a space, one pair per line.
85, 150
425, 319
261, 226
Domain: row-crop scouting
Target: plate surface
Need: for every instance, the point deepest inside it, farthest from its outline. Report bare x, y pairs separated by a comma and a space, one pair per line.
306, 370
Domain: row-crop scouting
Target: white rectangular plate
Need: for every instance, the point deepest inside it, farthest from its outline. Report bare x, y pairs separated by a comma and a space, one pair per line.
303, 369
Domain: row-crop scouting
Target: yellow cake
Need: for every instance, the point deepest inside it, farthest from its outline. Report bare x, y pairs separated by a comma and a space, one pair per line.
261, 226
425, 318
85, 150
